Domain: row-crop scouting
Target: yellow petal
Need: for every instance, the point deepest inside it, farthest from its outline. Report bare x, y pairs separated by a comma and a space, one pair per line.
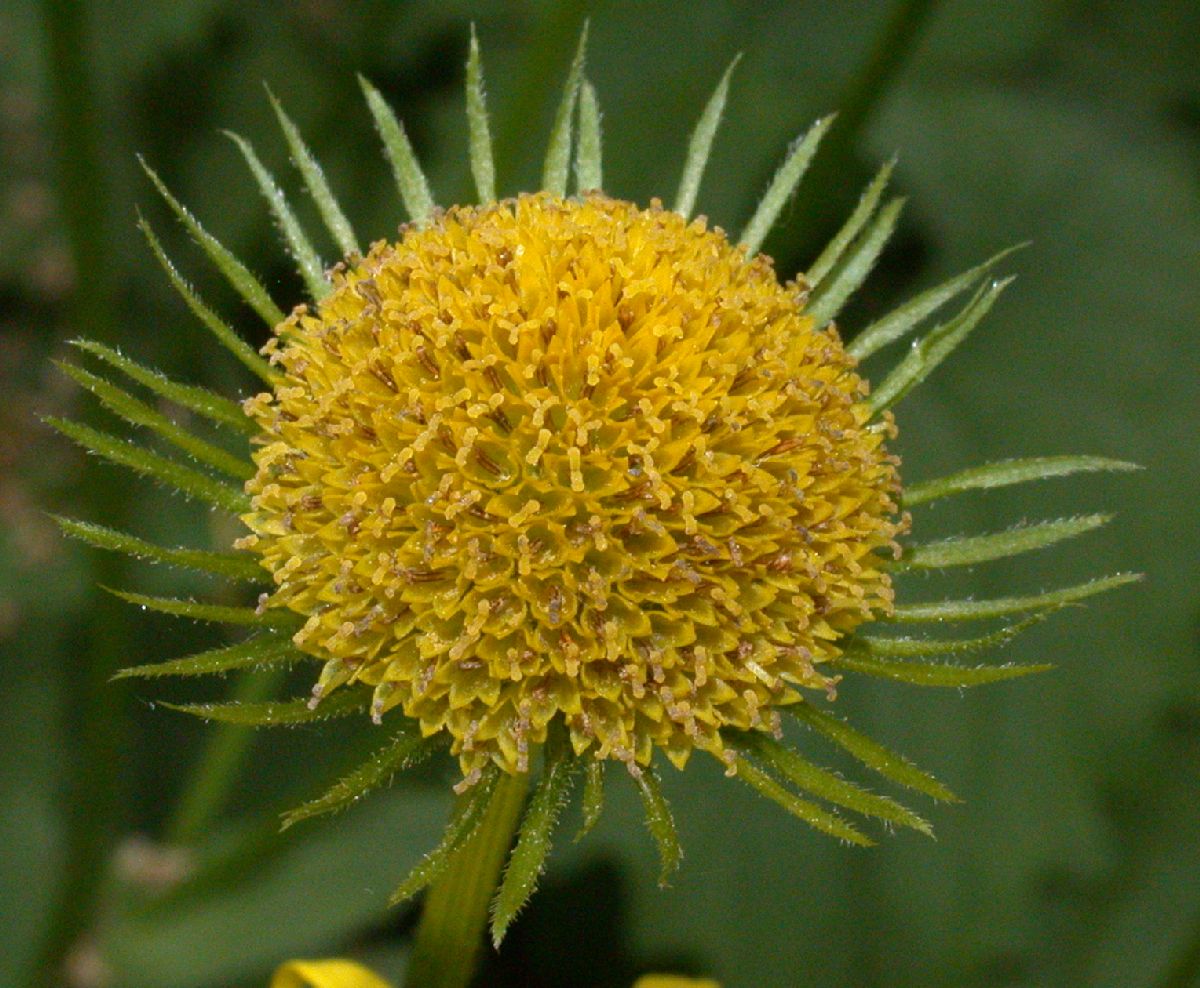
326, 974
673, 981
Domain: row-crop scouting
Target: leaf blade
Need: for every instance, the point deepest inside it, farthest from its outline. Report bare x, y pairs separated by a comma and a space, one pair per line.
410, 179
851, 270
947, 676
802, 809
901, 320
225, 261
312, 271
187, 481
805, 775
483, 165
978, 610
318, 187
462, 827
214, 407
232, 566
935, 347
215, 613
660, 822
138, 413
528, 857
972, 549
220, 329
558, 150
906, 648
406, 750
258, 651
783, 184
589, 169
276, 713
700, 144
1005, 473
870, 752
863, 211
593, 797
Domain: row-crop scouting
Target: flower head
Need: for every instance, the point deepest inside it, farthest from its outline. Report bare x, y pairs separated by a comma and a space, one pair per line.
570, 458
557, 480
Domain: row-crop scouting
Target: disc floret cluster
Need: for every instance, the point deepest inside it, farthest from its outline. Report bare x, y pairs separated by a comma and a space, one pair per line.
570, 458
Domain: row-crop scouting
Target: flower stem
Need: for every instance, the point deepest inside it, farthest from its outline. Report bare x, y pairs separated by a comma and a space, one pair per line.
456, 906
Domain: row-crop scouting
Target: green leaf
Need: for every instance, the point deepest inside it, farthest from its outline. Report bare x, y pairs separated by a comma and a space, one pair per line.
830, 295
483, 167
660, 823
934, 674
211, 405
904, 318
970, 549
558, 153
1008, 472
137, 412
277, 713
183, 479
528, 858
216, 613
297, 242
235, 272
410, 180
589, 172
404, 751
869, 752
935, 347
314, 178
850, 229
978, 610
809, 812
462, 826
233, 566
700, 145
223, 332
593, 796
907, 648
782, 186
260, 651
825, 784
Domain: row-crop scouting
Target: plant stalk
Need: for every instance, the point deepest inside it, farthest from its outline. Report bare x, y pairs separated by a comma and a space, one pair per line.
455, 913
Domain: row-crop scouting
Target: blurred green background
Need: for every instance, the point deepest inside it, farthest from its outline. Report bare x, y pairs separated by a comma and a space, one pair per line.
1075, 859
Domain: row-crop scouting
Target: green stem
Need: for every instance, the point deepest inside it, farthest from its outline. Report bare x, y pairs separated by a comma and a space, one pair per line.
219, 765
456, 907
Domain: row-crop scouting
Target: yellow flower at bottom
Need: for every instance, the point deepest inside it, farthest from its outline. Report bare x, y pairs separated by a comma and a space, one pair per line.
326, 974
347, 974
570, 458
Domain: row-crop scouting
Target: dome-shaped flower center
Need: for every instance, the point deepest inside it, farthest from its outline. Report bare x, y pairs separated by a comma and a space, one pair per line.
569, 458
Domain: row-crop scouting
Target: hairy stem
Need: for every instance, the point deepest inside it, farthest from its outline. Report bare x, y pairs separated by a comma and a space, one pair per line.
455, 913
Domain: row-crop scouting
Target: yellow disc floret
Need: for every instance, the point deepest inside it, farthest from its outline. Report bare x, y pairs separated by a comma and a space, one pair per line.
570, 458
